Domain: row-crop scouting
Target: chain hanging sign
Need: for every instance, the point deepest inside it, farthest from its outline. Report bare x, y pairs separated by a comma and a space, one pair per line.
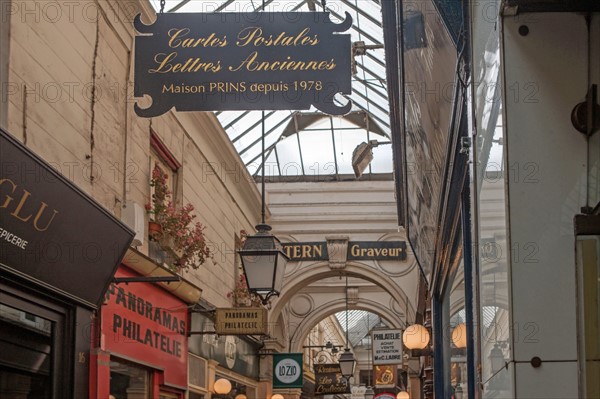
287, 370
329, 380
241, 321
242, 61
387, 346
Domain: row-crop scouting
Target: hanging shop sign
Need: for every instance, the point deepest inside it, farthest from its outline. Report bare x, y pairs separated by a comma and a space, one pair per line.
242, 61
387, 346
287, 370
357, 250
241, 321
384, 376
142, 322
42, 235
329, 380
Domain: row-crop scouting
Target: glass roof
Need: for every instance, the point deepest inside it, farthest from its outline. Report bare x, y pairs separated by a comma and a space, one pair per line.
312, 145
360, 324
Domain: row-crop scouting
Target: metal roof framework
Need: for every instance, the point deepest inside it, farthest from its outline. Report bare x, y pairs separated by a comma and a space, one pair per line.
310, 145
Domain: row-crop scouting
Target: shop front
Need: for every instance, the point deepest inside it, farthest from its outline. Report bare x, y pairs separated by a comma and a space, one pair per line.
228, 357
55, 268
143, 346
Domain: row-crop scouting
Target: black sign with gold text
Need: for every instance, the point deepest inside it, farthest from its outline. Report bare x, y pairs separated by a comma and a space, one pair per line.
329, 380
242, 61
357, 250
52, 233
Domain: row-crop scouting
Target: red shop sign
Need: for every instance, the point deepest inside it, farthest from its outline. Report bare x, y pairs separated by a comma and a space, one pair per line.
140, 321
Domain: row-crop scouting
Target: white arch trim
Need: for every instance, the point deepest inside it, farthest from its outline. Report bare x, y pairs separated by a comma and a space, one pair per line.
301, 332
321, 271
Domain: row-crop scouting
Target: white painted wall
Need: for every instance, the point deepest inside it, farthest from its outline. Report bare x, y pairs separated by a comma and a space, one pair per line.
545, 76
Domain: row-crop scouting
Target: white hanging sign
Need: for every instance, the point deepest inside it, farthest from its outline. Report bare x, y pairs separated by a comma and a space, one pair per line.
387, 346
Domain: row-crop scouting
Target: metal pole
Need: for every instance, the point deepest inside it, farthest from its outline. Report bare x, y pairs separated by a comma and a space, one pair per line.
262, 168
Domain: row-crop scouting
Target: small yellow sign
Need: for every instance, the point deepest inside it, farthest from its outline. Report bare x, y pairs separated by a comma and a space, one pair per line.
241, 321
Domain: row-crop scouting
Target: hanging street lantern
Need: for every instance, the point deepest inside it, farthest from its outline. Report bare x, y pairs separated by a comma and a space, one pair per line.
347, 363
264, 263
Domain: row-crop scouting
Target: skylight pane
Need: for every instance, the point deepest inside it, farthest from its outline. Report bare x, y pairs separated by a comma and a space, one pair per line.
289, 157
317, 153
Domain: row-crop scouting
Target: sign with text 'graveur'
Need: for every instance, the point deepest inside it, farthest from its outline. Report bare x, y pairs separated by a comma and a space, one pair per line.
357, 250
242, 61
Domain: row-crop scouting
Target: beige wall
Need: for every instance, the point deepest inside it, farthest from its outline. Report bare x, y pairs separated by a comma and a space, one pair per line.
69, 100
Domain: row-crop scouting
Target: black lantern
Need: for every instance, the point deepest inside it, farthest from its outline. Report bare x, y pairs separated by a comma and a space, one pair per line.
369, 393
264, 263
262, 257
347, 363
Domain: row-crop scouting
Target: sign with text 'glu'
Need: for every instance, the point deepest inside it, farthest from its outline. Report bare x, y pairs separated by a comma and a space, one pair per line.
242, 61
387, 346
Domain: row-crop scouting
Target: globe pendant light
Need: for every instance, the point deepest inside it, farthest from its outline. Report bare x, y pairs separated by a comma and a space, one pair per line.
415, 337
222, 386
459, 336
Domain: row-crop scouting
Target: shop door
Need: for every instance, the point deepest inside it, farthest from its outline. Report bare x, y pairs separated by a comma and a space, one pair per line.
32, 350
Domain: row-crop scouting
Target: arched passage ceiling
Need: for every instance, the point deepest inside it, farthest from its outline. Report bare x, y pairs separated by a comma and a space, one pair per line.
303, 145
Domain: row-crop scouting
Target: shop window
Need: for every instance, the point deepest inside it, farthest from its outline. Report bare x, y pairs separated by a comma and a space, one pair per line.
197, 372
129, 381
195, 395
26, 343
163, 159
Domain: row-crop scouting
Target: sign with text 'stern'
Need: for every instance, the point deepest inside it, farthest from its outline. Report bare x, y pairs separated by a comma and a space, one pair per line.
242, 61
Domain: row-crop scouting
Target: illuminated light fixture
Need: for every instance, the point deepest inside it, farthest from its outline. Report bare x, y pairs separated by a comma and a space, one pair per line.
222, 386
363, 155
459, 336
262, 257
277, 396
403, 395
241, 396
347, 361
415, 337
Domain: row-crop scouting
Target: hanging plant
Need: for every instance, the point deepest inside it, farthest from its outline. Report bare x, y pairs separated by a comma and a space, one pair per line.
241, 296
179, 233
